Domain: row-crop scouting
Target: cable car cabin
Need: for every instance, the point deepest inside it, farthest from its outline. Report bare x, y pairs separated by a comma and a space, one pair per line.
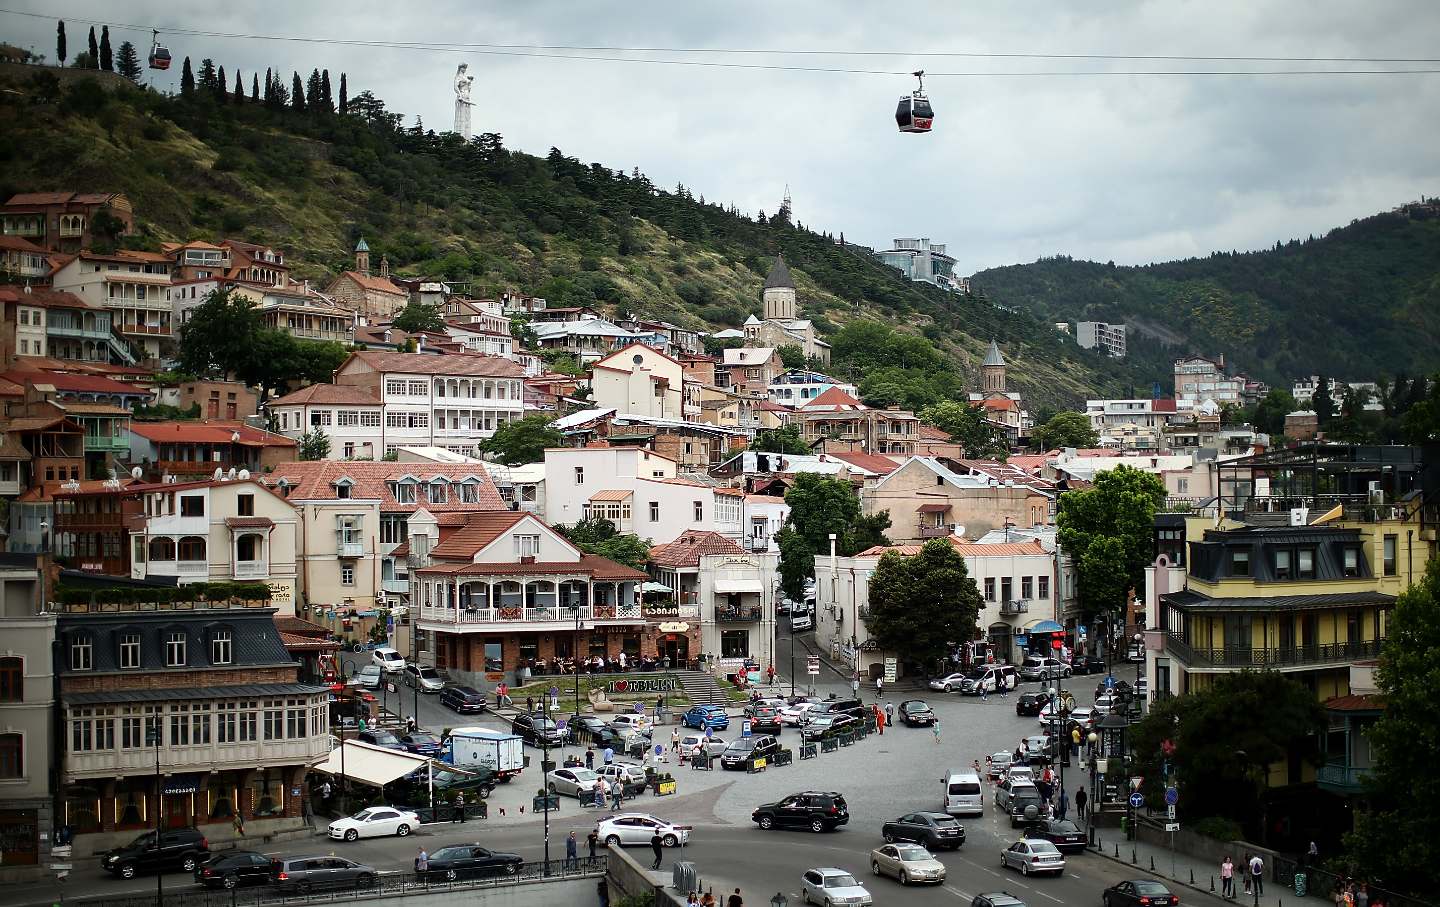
914, 113
159, 56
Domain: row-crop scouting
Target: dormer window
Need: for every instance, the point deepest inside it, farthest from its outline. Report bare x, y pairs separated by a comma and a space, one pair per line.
175, 648
342, 489
470, 493
82, 653
1352, 560
1240, 563
404, 493
439, 493
222, 650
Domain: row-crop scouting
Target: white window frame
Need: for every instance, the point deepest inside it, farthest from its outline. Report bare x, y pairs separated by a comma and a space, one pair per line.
222, 647
175, 645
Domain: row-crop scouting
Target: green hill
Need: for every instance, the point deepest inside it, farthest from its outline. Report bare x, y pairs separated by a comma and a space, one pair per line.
483, 217
1361, 302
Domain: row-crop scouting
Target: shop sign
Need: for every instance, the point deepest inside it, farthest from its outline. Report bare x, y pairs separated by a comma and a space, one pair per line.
662, 610
642, 685
281, 594
674, 628
738, 561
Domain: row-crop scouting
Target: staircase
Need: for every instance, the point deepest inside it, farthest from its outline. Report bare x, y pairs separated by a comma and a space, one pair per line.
700, 688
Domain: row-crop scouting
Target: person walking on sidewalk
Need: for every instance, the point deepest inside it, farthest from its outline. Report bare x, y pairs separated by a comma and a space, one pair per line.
591, 841
1257, 874
657, 847
422, 864
1227, 878
890, 713
572, 852
1080, 798
735, 900
935, 729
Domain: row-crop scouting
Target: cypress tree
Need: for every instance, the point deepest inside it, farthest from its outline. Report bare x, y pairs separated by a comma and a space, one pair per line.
94, 48
239, 89
254, 87
344, 95
220, 85
325, 99
187, 80
107, 59
269, 87
312, 91
297, 91
60, 50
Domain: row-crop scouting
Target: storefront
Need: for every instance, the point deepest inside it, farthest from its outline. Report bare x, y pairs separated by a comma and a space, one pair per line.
19, 837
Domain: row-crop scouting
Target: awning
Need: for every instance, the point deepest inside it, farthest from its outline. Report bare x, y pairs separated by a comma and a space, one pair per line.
368, 764
738, 585
612, 494
1043, 626
188, 783
655, 587
932, 508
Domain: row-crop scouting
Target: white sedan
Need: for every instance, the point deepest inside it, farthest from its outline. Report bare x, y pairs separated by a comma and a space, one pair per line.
639, 828
796, 715
830, 887
1033, 855
691, 744
374, 822
367, 678
948, 683
635, 723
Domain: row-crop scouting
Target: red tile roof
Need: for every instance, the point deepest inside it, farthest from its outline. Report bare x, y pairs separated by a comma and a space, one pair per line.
595, 567
931, 433
999, 403
78, 384
328, 394
834, 398
20, 244
315, 480
687, 550
208, 432
876, 463
1163, 405
479, 531
369, 282
462, 364
966, 549
1355, 702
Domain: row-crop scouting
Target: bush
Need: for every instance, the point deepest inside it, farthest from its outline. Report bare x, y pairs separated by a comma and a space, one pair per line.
1219, 828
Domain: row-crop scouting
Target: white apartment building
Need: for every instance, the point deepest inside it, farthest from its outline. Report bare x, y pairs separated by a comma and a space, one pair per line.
1198, 379
134, 285
352, 417
1135, 423
764, 517
1092, 335
587, 339
638, 491
639, 380
798, 387
1304, 391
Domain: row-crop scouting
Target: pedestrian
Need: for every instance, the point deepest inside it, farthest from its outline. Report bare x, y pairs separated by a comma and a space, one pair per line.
1245, 873
935, 729
692, 900
880, 720
1064, 805
529, 705
879, 686
617, 793
1362, 895
590, 758
1257, 874
1075, 741
609, 755
572, 857
325, 792
1080, 798
601, 792
592, 840
890, 713
1227, 878
460, 807
707, 900
239, 823
306, 814
422, 863
656, 847
984, 692
855, 685
770, 674
735, 900
674, 739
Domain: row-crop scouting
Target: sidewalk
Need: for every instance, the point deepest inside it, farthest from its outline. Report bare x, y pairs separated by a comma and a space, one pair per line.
1189, 872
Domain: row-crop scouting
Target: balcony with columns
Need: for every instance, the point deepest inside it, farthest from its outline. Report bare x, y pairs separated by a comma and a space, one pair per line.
463, 604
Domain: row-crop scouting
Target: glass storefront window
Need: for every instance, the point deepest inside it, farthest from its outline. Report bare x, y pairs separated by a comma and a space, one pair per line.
82, 807
220, 801
267, 794
734, 643
494, 656
597, 645
131, 803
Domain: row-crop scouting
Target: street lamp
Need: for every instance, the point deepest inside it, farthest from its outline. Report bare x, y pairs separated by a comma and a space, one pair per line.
574, 607
545, 791
1093, 739
1060, 730
152, 737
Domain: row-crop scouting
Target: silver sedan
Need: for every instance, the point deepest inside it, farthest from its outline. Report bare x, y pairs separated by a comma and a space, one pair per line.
907, 863
1033, 855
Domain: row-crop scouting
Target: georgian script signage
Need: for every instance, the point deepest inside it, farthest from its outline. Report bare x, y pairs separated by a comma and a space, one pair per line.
645, 685
668, 609
739, 561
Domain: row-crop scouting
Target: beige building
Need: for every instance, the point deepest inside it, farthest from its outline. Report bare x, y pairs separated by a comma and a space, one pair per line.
781, 327
927, 499
639, 380
836, 422
752, 369
374, 298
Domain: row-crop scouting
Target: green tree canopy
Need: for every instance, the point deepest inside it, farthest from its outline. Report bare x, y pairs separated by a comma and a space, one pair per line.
599, 537
1397, 839
820, 505
225, 337
1067, 429
797, 562
523, 333
523, 441
127, 62
792, 356
1117, 514
1270, 412
784, 440
314, 445
966, 425
923, 606
420, 317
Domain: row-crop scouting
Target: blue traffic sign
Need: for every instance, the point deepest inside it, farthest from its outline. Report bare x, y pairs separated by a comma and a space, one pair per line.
709, 732
561, 725
659, 750
1080, 629
1137, 799
745, 728
1109, 681
639, 707
1172, 796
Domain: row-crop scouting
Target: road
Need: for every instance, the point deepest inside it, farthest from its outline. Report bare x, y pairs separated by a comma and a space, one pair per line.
881, 778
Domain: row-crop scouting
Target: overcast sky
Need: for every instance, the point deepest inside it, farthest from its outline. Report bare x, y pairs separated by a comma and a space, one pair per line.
1129, 168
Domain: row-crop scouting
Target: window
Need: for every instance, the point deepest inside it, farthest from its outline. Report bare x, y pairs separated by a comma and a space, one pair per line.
579, 475
320, 417
81, 654
347, 418
347, 574
1239, 563
221, 647
654, 511
989, 588
179, 725
175, 649
200, 724
734, 643
527, 545
295, 718
12, 755
274, 720
91, 730
192, 505
130, 650
1282, 565
392, 530
469, 493
1026, 588
1006, 588
1352, 560
405, 493
1389, 558
131, 737
439, 493
1044, 588
370, 420
12, 679
1305, 563
699, 512
245, 504
342, 489
395, 388
227, 716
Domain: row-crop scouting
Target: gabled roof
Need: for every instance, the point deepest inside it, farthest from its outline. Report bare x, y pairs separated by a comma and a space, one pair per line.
473, 365
596, 567
966, 549
876, 463
687, 550
208, 432
41, 296
749, 355
779, 275
317, 480
20, 244
833, 398
604, 363
75, 384
330, 394
369, 282
992, 356
477, 533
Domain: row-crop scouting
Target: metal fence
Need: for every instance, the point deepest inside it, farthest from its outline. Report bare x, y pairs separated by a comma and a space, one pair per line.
387, 885
1319, 883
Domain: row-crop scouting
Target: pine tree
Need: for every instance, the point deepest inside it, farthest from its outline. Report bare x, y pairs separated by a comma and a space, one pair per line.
269, 87
218, 89
187, 80
60, 42
239, 89
326, 101
297, 91
254, 87
94, 49
107, 60
312, 91
344, 94
127, 62
207, 74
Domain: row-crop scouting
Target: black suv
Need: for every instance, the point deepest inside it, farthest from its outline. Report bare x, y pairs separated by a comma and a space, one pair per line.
234, 868
180, 848
1030, 704
463, 699
740, 752
537, 730
764, 718
815, 810
852, 707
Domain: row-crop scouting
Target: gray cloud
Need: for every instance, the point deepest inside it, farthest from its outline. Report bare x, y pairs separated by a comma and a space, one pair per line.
1112, 167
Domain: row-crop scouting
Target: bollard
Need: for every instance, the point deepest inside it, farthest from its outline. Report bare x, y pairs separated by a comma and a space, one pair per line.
1152, 864
1192, 876
1134, 857
1117, 851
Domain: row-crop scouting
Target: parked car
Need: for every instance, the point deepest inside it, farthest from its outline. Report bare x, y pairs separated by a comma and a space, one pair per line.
816, 810
621, 772
374, 822
618, 739
706, 716
1084, 716
829, 887
423, 677
180, 848
949, 683
234, 868
999, 764
639, 828
936, 831
387, 659
1104, 705
797, 713
421, 743
907, 863
1033, 855
996, 899
741, 751
473, 782
465, 700
848, 706
462, 861
825, 726
634, 723
801, 622
764, 718
1087, 664
571, 781
691, 744
1006, 788
301, 875
1039, 750
367, 678
537, 730
1030, 704
916, 713
1038, 667
989, 678
1063, 833
583, 725
380, 737
1138, 893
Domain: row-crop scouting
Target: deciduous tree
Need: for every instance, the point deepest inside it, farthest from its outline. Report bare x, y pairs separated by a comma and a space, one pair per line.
314, 445
1117, 514
921, 607
797, 562
419, 317
785, 440
1065, 429
523, 441
599, 537
792, 356
966, 425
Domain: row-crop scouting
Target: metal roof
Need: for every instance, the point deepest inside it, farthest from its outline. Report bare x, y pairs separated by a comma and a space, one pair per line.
1189, 599
238, 691
779, 275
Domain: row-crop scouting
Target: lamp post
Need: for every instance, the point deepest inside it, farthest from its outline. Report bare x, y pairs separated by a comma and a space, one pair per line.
574, 607
1093, 739
152, 737
545, 793
1058, 742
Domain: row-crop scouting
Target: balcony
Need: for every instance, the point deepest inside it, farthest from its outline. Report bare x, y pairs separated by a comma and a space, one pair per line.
1014, 607
88, 521
395, 586
936, 532
350, 549
1355, 508
1338, 653
252, 569
517, 617
59, 328
1341, 779
737, 615
141, 760
106, 444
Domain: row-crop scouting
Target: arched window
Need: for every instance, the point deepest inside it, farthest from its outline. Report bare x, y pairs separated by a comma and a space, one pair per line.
192, 548
162, 549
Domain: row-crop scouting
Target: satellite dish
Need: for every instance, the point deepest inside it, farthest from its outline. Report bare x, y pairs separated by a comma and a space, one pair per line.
136, 472
244, 474
284, 482
219, 473
234, 437
231, 474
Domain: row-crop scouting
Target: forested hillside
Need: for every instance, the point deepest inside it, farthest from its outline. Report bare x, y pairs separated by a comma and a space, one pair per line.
1361, 302
261, 165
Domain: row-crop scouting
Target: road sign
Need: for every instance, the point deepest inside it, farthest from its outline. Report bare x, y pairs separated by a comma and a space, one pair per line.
892, 671
812, 665
1109, 681
1137, 799
659, 750
1170, 812
1080, 630
1172, 795
639, 708
1172, 826
1135, 782
745, 728
709, 732
561, 725
554, 691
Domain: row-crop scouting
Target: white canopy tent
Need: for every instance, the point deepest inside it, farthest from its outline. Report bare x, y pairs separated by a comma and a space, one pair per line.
370, 764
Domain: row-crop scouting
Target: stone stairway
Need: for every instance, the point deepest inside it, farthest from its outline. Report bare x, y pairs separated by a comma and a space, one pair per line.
700, 688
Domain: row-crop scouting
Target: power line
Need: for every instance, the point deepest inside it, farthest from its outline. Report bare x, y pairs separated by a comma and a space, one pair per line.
595, 53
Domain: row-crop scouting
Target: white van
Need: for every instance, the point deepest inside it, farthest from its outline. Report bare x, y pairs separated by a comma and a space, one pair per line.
964, 795
801, 621
989, 678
